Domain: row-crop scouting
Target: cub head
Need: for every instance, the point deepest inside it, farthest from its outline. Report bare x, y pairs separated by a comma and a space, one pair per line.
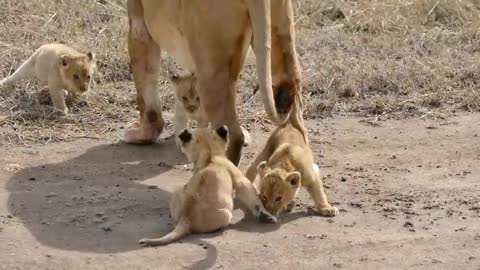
77, 72
277, 187
203, 142
186, 92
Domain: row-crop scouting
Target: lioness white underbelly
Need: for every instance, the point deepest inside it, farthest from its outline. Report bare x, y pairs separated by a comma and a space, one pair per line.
169, 38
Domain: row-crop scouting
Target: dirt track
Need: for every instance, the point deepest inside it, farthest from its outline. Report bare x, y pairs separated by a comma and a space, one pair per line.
407, 190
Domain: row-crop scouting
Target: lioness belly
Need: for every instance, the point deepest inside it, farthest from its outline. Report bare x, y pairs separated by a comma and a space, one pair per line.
162, 20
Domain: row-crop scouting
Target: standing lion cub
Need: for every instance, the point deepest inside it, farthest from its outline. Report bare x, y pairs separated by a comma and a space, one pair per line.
285, 165
61, 68
205, 203
188, 106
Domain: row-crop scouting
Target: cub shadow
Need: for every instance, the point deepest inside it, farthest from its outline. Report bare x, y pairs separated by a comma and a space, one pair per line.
94, 202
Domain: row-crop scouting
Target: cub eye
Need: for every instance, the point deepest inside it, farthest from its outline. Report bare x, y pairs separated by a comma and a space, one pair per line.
75, 77
279, 198
198, 99
185, 99
88, 77
264, 198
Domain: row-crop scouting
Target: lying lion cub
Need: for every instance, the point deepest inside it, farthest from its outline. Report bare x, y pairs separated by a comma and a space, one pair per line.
60, 67
188, 106
205, 203
284, 165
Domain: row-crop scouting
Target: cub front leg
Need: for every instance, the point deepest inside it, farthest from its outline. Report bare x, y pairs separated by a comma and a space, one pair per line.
314, 187
181, 121
57, 94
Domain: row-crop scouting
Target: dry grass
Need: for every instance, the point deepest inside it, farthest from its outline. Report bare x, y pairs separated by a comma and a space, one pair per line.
373, 57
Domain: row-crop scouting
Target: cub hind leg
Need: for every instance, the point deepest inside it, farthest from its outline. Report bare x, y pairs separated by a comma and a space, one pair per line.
27, 69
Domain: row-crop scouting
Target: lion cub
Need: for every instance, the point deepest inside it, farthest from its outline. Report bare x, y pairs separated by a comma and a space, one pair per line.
286, 164
60, 67
188, 106
205, 203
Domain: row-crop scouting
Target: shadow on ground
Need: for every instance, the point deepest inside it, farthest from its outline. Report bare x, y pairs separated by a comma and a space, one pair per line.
95, 202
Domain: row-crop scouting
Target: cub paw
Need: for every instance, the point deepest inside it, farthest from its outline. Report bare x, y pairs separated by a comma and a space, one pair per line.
328, 211
266, 217
290, 207
60, 112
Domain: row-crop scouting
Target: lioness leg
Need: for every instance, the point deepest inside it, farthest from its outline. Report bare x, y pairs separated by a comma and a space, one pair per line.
145, 62
217, 93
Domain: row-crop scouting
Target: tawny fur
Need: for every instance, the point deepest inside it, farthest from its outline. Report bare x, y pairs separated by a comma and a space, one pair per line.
285, 164
60, 67
205, 203
188, 106
216, 56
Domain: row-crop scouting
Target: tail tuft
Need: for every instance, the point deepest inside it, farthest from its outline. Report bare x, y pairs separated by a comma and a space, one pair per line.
284, 96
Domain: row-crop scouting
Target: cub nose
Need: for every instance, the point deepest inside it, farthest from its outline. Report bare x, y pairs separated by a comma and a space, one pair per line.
191, 108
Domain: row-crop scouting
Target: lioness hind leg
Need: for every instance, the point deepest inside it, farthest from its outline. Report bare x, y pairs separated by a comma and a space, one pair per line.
145, 62
217, 94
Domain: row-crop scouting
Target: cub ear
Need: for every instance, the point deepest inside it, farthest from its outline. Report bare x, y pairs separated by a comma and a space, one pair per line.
91, 56
175, 79
262, 168
294, 179
65, 60
185, 136
222, 132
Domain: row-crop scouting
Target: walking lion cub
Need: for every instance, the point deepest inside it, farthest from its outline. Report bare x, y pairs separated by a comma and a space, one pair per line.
61, 68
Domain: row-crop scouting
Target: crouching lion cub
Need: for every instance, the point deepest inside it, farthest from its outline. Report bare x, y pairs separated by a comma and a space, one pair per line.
205, 203
285, 165
188, 106
60, 67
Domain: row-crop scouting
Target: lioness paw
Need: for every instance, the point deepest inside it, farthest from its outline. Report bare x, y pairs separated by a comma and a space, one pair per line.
329, 211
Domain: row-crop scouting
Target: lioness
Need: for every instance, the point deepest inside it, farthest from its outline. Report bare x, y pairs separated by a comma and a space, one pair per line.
60, 67
188, 106
205, 203
285, 164
210, 38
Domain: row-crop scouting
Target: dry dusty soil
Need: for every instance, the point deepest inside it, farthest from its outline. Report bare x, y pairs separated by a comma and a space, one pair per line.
407, 190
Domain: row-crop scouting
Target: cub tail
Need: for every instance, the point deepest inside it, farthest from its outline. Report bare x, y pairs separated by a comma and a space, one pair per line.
181, 229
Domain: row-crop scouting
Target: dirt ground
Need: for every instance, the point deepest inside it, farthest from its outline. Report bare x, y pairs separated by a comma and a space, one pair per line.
407, 190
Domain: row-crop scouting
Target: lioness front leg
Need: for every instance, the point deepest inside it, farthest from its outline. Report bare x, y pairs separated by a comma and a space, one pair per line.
217, 94
145, 62
316, 191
